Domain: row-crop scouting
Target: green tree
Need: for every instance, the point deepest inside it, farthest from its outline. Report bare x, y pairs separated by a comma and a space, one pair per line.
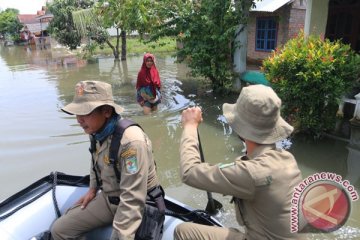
9, 23
88, 26
207, 30
62, 26
311, 75
125, 16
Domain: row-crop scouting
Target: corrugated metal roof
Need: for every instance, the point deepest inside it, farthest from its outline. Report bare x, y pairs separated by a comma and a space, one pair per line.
49, 15
36, 27
269, 5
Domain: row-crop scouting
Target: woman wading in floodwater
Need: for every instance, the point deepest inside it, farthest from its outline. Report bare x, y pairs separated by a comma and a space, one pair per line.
148, 85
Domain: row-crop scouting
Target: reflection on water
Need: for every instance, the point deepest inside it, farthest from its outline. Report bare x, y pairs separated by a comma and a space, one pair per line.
38, 138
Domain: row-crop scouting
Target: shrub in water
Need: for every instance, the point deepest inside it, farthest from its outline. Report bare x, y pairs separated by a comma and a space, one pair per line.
311, 75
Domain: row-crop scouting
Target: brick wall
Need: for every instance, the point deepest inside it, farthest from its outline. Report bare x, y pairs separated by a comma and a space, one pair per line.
296, 23
291, 19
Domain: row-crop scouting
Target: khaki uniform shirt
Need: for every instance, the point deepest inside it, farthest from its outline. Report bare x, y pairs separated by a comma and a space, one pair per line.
262, 186
138, 175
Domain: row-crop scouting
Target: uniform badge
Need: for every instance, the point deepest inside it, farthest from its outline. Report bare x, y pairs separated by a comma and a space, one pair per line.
130, 160
106, 160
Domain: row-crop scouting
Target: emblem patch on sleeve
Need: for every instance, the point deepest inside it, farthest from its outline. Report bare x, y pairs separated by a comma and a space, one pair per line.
131, 165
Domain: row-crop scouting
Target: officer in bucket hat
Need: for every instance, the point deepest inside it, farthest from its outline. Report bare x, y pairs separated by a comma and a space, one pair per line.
89, 95
261, 183
122, 167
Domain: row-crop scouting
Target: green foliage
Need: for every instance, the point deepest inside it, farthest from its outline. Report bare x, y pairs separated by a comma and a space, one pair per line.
62, 26
111, 14
89, 50
89, 26
124, 15
127, 15
9, 24
311, 75
85, 20
207, 30
136, 46
99, 35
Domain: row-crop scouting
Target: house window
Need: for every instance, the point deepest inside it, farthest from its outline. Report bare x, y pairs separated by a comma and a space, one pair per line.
265, 34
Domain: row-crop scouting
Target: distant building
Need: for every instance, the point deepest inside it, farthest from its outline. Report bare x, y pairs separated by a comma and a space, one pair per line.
31, 26
35, 27
36, 23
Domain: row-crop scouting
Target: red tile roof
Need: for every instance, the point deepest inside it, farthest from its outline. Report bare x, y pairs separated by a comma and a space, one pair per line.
27, 18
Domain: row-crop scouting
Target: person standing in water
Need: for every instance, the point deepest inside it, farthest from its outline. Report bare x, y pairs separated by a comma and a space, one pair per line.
148, 85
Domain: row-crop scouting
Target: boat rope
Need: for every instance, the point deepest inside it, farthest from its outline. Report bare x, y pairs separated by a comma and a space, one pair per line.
53, 176
55, 181
197, 212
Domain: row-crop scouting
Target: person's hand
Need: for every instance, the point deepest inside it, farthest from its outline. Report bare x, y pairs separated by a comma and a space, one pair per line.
154, 100
191, 117
84, 200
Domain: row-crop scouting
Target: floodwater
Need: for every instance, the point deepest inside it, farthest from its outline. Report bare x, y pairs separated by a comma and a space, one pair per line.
38, 138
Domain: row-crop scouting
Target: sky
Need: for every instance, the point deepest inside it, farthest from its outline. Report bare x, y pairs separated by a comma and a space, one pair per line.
24, 6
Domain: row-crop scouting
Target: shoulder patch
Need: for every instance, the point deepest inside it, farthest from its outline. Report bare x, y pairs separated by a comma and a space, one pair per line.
129, 155
131, 165
225, 165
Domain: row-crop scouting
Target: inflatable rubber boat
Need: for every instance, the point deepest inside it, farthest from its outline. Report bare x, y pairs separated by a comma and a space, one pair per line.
28, 214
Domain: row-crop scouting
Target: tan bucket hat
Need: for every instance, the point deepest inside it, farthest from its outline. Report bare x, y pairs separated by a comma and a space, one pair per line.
90, 95
256, 115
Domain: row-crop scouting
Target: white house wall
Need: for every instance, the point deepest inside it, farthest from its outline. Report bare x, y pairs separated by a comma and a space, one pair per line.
316, 17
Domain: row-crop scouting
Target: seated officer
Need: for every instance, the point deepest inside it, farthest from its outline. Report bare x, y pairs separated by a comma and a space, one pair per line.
124, 184
261, 183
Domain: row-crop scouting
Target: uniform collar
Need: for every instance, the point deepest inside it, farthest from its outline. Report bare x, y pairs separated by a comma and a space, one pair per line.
104, 145
261, 149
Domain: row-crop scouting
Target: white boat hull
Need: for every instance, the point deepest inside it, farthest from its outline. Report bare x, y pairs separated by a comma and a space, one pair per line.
33, 212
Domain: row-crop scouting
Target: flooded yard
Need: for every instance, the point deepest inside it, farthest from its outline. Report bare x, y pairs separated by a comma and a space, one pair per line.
38, 138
